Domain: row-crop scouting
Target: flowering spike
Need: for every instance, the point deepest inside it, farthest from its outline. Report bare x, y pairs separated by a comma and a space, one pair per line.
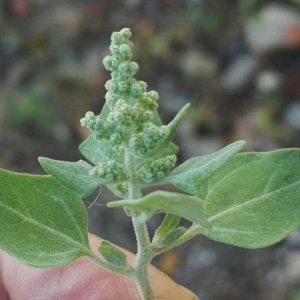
130, 122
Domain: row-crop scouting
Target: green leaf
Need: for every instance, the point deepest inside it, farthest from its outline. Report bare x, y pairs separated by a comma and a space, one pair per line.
169, 238
105, 112
99, 151
43, 224
173, 125
168, 224
191, 174
188, 207
113, 255
73, 175
254, 200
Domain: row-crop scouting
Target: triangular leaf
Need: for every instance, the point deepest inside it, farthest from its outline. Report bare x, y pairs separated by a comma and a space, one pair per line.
167, 147
188, 207
105, 111
43, 224
99, 151
191, 174
254, 200
73, 175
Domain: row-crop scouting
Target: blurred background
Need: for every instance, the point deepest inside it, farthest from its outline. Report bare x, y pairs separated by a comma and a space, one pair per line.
236, 62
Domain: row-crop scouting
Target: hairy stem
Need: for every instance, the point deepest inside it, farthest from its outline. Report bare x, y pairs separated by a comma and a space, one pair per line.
143, 256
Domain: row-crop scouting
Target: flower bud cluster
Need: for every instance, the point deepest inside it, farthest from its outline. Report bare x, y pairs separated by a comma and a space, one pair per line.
94, 123
157, 168
132, 108
109, 172
129, 121
150, 138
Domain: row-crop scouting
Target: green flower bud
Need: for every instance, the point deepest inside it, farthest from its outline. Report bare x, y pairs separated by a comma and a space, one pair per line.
151, 104
111, 85
114, 75
83, 122
99, 135
109, 172
137, 145
120, 103
164, 131
115, 139
111, 99
157, 169
147, 177
149, 142
147, 103
160, 174
99, 129
125, 51
134, 67
153, 95
147, 116
143, 84
107, 62
114, 49
88, 121
126, 33
151, 131
119, 116
124, 69
136, 89
122, 86
121, 188
118, 38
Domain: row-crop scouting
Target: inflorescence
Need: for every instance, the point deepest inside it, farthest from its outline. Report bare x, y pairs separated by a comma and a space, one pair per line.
131, 122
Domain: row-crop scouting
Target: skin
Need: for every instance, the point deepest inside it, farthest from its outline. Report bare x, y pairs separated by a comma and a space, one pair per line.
80, 280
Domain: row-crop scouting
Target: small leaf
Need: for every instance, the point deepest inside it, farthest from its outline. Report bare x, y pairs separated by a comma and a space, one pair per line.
188, 207
173, 125
105, 111
113, 255
73, 175
43, 224
167, 148
191, 174
168, 224
254, 200
99, 151
170, 237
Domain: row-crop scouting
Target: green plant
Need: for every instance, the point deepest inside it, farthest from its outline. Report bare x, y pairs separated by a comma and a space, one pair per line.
249, 200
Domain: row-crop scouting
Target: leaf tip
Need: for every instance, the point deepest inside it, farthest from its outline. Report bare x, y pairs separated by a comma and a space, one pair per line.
240, 144
113, 204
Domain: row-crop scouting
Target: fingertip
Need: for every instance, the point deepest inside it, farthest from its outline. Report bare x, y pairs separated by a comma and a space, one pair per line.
189, 294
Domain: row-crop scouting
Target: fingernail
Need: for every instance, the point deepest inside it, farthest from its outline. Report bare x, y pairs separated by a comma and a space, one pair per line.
191, 295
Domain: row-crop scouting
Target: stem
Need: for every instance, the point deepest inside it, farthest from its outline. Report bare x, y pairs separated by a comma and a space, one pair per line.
143, 256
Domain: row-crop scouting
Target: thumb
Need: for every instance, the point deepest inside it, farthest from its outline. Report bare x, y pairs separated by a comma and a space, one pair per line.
81, 280
164, 287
